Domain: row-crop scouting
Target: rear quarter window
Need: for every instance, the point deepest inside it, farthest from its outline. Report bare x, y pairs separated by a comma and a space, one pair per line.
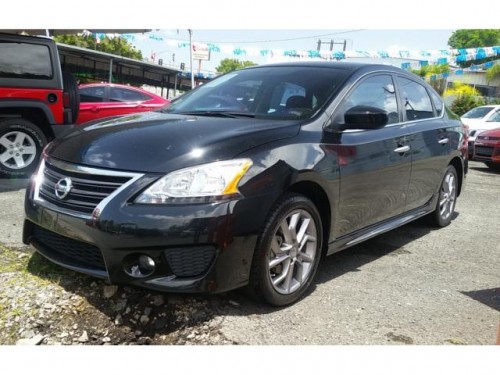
416, 101
25, 60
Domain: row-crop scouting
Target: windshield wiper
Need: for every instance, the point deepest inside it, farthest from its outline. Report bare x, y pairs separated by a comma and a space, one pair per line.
217, 114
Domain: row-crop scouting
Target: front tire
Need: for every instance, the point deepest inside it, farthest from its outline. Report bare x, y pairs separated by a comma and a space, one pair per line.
288, 251
445, 206
21, 144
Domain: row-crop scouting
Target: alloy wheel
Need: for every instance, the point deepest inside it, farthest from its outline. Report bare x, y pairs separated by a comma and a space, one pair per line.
17, 150
294, 248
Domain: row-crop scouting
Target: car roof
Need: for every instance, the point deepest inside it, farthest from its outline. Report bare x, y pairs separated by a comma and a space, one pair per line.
109, 84
344, 65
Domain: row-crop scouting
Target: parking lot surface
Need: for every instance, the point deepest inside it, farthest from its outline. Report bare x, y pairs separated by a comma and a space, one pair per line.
414, 285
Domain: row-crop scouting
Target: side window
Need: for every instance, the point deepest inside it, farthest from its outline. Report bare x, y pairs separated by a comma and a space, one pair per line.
123, 95
375, 91
91, 94
438, 103
416, 100
24, 60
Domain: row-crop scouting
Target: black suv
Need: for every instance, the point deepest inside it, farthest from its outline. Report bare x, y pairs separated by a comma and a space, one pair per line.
36, 98
249, 179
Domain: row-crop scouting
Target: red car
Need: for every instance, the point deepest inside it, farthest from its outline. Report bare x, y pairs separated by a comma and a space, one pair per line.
103, 100
487, 148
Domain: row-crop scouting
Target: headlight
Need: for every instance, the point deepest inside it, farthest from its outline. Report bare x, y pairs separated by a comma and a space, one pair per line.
207, 180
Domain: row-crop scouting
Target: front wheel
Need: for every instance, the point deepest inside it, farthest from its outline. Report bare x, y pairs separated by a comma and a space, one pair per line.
445, 206
21, 144
288, 251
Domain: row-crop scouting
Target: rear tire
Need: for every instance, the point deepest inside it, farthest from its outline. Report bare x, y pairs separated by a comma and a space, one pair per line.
288, 251
445, 206
21, 144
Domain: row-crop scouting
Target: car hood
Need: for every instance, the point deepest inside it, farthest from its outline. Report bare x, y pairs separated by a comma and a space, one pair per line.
158, 142
492, 133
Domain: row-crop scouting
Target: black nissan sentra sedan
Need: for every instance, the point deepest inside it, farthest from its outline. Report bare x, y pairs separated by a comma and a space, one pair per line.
249, 179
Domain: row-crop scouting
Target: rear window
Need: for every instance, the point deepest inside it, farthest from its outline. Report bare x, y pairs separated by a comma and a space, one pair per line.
24, 60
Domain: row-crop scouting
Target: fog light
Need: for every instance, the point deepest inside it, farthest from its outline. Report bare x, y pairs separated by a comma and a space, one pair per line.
139, 266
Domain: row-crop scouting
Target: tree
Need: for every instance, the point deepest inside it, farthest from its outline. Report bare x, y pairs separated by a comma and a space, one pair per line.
116, 46
493, 73
465, 97
474, 38
429, 70
229, 65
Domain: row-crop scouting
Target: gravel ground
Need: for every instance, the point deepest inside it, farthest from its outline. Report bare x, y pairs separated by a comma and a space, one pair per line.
414, 285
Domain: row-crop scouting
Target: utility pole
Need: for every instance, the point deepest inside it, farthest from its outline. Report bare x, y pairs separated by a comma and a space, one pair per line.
332, 42
191, 56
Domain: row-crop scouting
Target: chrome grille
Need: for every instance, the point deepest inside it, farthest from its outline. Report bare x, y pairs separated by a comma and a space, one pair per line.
483, 151
90, 186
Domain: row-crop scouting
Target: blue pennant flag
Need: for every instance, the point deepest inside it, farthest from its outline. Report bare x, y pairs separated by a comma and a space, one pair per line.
213, 47
480, 54
405, 65
423, 62
339, 55
313, 53
459, 72
383, 54
442, 61
239, 51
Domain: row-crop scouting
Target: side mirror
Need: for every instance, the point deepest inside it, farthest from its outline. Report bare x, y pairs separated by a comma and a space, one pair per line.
365, 117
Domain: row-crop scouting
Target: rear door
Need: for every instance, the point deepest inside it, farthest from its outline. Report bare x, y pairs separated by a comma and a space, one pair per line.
429, 138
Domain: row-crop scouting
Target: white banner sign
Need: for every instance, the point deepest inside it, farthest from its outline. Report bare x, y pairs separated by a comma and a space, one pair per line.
201, 51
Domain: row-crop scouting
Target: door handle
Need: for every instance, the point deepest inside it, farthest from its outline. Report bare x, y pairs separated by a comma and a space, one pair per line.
402, 149
443, 141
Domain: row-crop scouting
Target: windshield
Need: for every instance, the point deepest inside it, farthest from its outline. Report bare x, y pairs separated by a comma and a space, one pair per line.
278, 92
495, 117
478, 112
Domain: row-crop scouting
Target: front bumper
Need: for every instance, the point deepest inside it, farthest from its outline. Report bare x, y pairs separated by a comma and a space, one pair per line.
195, 248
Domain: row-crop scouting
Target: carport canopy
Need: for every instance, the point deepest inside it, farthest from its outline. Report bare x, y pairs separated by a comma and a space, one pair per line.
102, 66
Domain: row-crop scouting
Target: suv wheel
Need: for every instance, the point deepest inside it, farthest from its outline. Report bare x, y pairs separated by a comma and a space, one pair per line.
21, 144
288, 251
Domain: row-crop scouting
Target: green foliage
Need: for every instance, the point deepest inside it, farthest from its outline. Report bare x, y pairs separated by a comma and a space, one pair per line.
493, 73
473, 38
116, 46
461, 89
428, 70
229, 65
466, 98
465, 103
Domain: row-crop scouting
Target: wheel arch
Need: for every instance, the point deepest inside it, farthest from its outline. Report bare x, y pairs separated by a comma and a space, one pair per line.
459, 167
314, 192
36, 113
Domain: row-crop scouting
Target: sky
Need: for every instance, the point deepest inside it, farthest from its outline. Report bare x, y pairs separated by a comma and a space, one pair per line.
286, 39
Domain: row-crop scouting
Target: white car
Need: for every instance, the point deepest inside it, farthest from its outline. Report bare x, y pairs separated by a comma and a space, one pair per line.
478, 119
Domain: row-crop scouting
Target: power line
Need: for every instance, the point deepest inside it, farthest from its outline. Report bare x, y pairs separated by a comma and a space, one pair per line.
288, 39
